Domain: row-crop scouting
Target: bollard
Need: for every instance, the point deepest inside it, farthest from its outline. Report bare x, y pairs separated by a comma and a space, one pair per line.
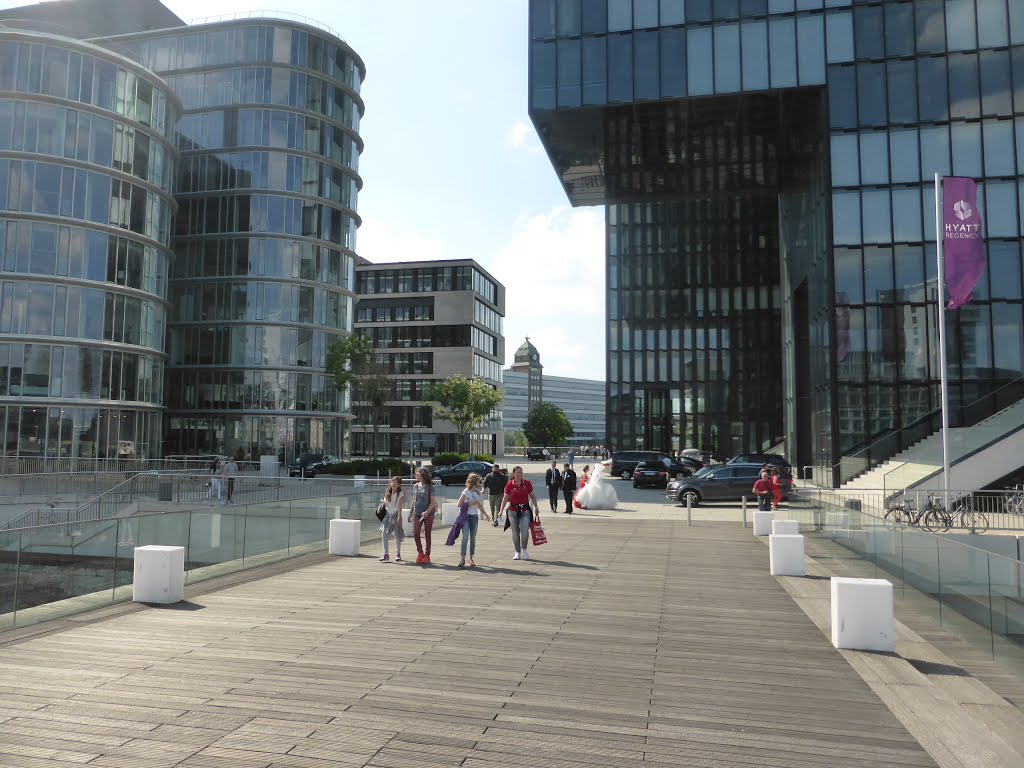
744, 511
689, 510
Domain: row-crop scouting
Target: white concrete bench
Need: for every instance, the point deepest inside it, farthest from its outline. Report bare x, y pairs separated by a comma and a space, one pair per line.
763, 523
786, 554
785, 527
159, 574
344, 538
449, 512
862, 614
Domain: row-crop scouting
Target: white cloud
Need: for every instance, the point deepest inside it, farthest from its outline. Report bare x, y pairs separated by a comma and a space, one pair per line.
378, 243
522, 136
554, 276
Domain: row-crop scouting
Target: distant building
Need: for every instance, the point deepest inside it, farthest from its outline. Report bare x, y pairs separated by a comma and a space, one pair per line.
429, 320
583, 400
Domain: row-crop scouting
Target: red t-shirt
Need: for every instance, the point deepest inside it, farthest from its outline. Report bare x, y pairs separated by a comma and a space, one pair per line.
518, 494
762, 487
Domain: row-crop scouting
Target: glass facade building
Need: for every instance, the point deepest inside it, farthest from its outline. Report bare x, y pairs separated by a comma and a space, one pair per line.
767, 167
264, 237
87, 164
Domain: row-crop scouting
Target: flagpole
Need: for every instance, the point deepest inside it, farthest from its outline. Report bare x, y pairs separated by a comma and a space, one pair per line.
943, 383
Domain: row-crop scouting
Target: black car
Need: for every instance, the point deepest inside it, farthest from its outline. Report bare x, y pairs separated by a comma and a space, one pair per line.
725, 482
622, 464
537, 454
658, 473
461, 471
310, 464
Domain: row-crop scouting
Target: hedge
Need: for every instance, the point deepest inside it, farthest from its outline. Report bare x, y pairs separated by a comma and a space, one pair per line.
370, 467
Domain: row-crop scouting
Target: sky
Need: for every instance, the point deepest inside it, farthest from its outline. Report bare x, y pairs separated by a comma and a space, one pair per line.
452, 167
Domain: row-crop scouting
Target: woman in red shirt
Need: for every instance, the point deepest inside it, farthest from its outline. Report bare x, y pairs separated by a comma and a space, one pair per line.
776, 488
518, 495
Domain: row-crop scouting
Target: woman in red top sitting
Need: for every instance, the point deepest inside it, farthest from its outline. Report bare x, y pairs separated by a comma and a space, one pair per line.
518, 495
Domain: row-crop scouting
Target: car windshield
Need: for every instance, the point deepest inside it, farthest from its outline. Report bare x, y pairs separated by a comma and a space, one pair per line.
704, 471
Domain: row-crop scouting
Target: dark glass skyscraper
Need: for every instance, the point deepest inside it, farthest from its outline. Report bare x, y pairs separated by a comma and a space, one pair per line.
767, 169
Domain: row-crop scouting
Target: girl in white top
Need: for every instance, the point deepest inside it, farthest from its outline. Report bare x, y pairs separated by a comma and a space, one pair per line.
393, 500
473, 496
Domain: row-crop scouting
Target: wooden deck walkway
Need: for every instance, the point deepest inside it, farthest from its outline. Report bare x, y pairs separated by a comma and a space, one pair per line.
621, 643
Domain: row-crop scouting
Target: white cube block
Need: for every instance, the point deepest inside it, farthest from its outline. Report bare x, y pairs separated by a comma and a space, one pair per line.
407, 524
786, 554
786, 527
159, 574
360, 481
449, 511
862, 614
763, 523
344, 538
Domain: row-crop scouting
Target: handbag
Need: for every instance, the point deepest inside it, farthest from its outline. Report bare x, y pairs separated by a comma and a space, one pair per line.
537, 533
382, 511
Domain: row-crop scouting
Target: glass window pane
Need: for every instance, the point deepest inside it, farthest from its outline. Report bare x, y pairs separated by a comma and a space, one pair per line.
992, 23
899, 29
568, 17
903, 155
1004, 270
877, 216
930, 21
964, 98
909, 263
620, 15
849, 274
845, 168
934, 151
874, 157
846, 218
569, 73
1019, 130
966, 145
782, 38
645, 14
1016, 23
1001, 208
544, 72
906, 216
960, 30
673, 12
645, 73
999, 160
995, 83
1017, 64
698, 10
932, 102
727, 58
595, 16
811, 50
698, 54
871, 94
867, 22
839, 35
620, 68
878, 273
754, 35
902, 82
595, 70
842, 97
780, 6
673, 62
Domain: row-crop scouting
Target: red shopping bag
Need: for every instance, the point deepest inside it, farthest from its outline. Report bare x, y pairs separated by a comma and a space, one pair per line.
537, 532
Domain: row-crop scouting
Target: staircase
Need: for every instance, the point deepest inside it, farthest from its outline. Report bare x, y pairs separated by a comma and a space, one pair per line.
977, 457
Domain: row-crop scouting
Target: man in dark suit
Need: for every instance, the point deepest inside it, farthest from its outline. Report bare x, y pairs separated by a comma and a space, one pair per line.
553, 480
568, 487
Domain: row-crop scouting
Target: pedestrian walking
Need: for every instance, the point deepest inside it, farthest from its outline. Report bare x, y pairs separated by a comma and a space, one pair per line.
553, 480
517, 500
214, 483
230, 473
776, 481
571, 457
568, 487
473, 498
495, 482
394, 499
424, 507
763, 491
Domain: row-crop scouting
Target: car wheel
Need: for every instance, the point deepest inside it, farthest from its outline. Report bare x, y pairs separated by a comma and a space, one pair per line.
626, 474
693, 497
681, 475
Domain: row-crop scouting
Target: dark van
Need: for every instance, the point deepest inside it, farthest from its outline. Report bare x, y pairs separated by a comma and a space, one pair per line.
622, 464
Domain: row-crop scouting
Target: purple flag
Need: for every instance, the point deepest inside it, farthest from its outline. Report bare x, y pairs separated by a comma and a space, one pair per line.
963, 246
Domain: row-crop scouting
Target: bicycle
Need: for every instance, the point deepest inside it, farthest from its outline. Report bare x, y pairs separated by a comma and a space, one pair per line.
1014, 504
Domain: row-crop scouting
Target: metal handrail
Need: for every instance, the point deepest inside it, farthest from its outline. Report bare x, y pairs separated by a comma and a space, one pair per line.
283, 15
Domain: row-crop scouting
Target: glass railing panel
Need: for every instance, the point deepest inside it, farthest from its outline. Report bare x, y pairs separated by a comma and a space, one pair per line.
306, 524
266, 533
964, 589
10, 550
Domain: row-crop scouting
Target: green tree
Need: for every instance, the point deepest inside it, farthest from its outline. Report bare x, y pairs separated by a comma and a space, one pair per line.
514, 438
466, 403
547, 424
353, 364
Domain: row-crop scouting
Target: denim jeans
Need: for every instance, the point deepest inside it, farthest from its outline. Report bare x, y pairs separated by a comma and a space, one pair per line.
469, 534
520, 524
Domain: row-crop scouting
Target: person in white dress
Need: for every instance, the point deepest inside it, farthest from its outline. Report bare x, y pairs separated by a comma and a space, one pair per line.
597, 493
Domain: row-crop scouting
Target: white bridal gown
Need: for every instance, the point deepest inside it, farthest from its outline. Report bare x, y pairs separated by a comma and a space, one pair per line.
598, 493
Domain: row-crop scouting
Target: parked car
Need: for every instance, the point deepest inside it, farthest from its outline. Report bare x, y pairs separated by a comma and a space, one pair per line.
725, 482
310, 464
622, 464
658, 473
537, 454
461, 471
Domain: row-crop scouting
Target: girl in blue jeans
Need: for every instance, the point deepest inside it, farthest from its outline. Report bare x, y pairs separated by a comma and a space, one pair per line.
474, 498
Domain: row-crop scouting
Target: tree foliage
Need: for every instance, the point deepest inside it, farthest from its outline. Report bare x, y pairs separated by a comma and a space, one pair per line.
466, 403
514, 438
547, 424
353, 364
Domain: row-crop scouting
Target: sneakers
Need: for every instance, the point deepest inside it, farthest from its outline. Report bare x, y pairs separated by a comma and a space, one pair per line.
470, 562
462, 563
398, 558
526, 554
419, 558
426, 560
385, 559
515, 556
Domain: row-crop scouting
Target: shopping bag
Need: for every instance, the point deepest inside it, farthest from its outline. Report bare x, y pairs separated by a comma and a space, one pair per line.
537, 532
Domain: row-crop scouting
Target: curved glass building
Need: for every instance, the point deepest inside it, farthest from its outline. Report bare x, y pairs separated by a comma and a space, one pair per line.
87, 164
264, 237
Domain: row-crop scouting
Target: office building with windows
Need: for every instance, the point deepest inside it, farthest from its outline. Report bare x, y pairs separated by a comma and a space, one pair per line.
428, 321
255, 123
767, 170
87, 164
583, 401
